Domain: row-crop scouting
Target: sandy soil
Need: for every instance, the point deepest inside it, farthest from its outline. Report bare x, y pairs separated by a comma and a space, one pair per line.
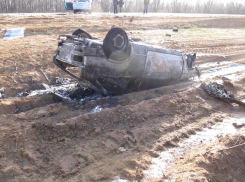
45, 139
212, 162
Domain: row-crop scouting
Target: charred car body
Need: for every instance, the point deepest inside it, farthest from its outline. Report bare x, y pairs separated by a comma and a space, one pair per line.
118, 64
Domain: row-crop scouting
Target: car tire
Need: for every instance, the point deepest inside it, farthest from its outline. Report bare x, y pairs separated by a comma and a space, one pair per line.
116, 44
81, 33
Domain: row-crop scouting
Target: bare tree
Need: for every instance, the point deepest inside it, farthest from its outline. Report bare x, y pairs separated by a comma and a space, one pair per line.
208, 6
155, 4
235, 8
106, 5
219, 8
198, 7
187, 7
174, 6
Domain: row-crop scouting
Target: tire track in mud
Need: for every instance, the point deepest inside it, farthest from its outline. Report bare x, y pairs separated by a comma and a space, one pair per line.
143, 129
146, 127
209, 46
22, 104
209, 135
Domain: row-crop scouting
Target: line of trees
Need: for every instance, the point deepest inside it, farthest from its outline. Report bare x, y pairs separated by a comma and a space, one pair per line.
174, 6
30, 6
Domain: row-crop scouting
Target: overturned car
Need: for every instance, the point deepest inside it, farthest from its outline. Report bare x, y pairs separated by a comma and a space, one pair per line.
119, 64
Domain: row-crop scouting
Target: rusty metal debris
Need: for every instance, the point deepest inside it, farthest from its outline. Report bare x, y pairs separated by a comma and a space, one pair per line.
45, 76
119, 64
56, 92
219, 92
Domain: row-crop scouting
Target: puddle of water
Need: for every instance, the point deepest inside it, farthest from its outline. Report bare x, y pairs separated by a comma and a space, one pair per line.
206, 65
225, 70
166, 159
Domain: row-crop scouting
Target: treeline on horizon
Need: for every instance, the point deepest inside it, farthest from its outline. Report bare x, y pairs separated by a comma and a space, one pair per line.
174, 6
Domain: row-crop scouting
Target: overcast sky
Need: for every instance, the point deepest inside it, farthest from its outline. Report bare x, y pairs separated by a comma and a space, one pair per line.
220, 1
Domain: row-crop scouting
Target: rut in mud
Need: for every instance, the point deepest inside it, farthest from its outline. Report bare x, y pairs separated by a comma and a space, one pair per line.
48, 139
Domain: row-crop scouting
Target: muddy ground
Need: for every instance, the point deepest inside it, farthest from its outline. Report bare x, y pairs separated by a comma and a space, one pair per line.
43, 138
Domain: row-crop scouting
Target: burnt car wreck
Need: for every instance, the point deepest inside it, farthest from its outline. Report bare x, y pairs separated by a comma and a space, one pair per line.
119, 64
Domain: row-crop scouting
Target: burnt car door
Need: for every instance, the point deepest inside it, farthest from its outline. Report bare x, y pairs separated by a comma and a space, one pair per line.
163, 65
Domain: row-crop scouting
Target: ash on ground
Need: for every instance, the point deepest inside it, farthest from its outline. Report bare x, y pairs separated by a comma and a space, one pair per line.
66, 89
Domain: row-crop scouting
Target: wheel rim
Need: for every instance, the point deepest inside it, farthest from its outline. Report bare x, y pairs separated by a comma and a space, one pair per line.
118, 42
115, 44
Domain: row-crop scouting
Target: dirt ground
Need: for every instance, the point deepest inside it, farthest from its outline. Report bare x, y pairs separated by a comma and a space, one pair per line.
45, 139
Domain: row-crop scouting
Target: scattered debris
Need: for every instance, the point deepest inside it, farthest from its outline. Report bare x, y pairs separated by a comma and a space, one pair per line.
219, 92
81, 94
175, 29
45, 76
63, 81
22, 94
14, 33
56, 92
169, 35
67, 90
121, 149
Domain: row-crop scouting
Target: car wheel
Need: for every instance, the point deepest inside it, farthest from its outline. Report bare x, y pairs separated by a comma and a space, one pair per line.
81, 33
116, 45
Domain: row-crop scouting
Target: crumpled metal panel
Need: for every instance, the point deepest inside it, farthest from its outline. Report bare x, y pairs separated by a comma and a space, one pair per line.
163, 66
101, 67
67, 53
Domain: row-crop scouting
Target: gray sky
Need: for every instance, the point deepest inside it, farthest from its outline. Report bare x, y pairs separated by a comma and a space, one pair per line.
218, 1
